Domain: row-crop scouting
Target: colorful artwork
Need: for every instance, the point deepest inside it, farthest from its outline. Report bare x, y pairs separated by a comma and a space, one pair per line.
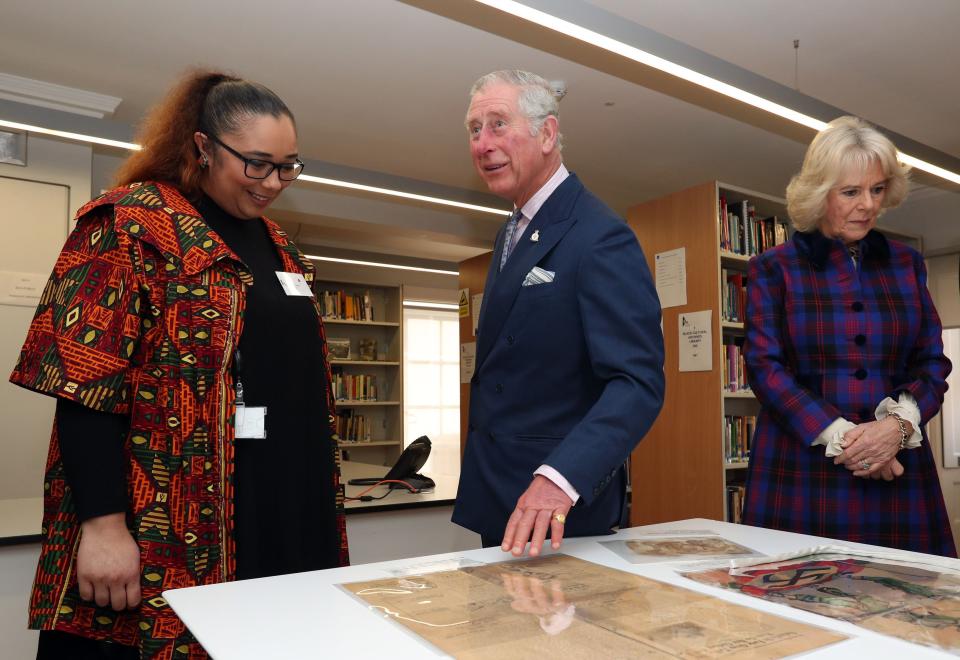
562, 607
912, 602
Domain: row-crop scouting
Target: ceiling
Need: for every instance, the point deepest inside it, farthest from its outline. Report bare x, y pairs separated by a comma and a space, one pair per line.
382, 85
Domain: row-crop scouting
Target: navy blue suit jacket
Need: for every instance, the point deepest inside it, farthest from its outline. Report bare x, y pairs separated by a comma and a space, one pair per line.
569, 373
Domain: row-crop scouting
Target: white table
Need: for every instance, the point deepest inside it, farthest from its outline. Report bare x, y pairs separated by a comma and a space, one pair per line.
306, 615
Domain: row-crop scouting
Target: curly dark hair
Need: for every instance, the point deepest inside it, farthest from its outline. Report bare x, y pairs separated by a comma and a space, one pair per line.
212, 102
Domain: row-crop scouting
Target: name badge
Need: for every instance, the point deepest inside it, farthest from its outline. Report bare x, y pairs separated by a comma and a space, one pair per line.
251, 422
293, 284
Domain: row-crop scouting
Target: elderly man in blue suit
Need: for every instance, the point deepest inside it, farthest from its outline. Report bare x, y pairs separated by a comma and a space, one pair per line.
569, 364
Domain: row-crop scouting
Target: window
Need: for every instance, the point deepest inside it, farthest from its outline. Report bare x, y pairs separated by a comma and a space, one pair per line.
431, 387
951, 402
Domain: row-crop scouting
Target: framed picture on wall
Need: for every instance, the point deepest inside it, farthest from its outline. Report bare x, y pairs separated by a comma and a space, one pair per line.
13, 148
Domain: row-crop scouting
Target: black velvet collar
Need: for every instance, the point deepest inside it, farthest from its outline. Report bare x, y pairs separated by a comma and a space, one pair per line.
815, 247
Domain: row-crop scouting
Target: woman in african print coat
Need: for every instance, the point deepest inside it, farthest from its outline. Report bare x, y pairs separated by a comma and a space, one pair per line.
844, 352
154, 479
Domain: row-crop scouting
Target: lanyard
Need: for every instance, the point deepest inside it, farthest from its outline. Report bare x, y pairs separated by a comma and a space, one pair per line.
237, 368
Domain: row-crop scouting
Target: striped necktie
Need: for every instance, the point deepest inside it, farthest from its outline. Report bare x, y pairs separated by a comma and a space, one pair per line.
508, 242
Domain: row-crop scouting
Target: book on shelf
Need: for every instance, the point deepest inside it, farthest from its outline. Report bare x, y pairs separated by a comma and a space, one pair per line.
734, 370
743, 232
735, 497
367, 349
734, 295
353, 427
342, 305
353, 387
338, 348
737, 436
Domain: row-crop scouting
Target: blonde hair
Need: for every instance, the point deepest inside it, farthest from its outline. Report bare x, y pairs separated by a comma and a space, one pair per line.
847, 143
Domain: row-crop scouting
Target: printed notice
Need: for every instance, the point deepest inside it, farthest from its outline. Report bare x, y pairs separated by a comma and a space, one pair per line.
696, 341
476, 300
671, 276
464, 304
468, 361
22, 289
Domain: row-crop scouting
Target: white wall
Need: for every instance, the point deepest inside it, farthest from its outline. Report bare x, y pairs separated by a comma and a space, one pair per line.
17, 565
943, 280
36, 204
932, 213
27, 416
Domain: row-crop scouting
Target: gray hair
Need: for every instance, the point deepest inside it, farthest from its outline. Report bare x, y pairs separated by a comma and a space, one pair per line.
847, 143
537, 100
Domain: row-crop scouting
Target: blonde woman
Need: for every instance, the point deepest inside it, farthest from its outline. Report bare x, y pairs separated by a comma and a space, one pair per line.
844, 353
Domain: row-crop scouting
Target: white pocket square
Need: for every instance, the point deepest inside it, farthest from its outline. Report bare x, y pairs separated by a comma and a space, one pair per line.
538, 275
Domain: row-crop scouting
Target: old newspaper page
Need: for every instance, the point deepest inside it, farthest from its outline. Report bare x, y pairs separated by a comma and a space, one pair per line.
560, 606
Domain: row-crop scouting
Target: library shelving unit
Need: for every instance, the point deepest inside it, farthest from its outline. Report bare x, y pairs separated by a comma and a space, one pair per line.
365, 337
693, 460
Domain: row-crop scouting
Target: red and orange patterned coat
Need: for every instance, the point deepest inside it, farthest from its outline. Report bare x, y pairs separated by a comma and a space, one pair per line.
140, 317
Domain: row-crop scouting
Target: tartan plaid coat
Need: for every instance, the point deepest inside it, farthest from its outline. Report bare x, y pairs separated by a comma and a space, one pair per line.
826, 338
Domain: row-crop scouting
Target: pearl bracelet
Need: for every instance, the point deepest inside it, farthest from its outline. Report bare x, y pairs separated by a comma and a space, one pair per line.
903, 429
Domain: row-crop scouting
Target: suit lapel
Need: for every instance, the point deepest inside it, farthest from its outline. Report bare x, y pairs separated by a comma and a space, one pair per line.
552, 221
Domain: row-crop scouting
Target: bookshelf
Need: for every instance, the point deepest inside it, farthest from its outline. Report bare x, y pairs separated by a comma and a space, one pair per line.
700, 438
365, 340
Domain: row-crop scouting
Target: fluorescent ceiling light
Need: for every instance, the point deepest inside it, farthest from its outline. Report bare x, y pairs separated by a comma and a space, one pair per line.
400, 193
430, 305
641, 56
357, 262
306, 177
70, 136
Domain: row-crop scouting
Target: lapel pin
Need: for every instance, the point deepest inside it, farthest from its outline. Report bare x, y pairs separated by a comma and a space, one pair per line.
535, 236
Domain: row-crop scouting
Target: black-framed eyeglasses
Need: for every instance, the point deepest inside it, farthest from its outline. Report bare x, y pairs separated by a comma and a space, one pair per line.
255, 168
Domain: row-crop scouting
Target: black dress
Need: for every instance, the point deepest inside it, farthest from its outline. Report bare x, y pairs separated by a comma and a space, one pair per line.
285, 514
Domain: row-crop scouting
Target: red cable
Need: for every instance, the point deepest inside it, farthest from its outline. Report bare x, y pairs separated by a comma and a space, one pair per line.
380, 483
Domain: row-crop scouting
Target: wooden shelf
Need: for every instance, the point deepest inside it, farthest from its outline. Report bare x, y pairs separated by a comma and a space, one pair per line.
351, 404
372, 363
373, 443
665, 489
727, 258
388, 324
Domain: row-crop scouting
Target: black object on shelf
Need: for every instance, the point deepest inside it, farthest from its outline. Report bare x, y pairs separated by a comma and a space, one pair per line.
405, 469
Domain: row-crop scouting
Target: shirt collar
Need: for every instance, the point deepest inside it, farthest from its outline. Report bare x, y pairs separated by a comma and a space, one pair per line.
540, 197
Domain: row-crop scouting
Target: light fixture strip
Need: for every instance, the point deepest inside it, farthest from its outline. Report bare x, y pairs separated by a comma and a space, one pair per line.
79, 137
430, 305
400, 193
376, 264
928, 167
643, 57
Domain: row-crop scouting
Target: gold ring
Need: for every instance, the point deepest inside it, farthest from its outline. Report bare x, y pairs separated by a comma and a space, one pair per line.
560, 518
